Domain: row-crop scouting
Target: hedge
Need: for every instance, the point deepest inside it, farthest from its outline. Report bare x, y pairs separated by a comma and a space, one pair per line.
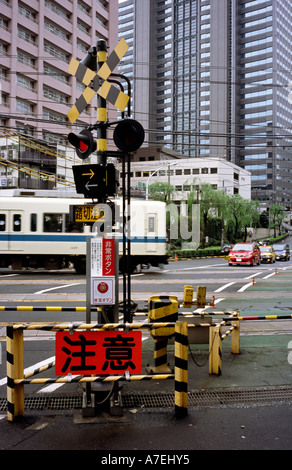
198, 253
213, 250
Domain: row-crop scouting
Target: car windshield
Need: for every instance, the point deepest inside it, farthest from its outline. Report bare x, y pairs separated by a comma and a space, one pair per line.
279, 247
266, 249
242, 247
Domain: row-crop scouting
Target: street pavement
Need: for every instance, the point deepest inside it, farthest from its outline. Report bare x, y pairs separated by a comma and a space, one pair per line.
247, 407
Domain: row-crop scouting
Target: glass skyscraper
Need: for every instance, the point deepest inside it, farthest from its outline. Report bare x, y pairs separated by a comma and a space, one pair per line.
210, 78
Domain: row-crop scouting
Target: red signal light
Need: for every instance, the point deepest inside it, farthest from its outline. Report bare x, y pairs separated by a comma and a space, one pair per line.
83, 147
84, 143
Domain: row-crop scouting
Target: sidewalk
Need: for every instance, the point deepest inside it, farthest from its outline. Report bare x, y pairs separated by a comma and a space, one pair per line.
249, 406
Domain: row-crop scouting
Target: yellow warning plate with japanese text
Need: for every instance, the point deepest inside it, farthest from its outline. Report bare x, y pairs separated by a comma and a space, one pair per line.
88, 213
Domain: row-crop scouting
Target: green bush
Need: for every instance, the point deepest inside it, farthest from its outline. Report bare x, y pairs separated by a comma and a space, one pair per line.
198, 253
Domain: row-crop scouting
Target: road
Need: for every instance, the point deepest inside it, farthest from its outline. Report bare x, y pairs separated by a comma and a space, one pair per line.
232, 288
254, 291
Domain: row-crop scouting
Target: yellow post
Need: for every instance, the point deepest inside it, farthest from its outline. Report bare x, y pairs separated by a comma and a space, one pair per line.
235, 337
215, 350
201, 296
181, 369
188, 296
15, 393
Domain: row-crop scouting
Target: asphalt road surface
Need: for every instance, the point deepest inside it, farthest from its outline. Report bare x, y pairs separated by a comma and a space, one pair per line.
253, 291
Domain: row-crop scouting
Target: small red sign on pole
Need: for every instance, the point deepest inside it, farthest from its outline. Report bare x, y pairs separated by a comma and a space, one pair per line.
102, 257
98, 353
102, 274
108, 256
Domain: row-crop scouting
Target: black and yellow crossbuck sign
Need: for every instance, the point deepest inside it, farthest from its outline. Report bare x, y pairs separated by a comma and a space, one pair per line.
89, 77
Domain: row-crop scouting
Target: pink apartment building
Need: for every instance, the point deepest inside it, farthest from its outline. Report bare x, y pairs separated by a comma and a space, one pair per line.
38, 38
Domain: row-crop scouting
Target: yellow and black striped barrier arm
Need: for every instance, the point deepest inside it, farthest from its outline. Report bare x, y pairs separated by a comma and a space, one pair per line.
92, 379
85, 326
34, 308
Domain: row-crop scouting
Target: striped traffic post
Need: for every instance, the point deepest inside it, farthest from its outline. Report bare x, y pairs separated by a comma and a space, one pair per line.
15, 392
181, 369
215, 350
163, 308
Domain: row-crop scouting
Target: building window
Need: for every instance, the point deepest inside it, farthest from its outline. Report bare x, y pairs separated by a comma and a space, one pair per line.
26, 36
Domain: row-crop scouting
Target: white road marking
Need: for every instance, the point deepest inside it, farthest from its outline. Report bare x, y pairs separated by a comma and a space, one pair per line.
9, 275
253, 275
269, 275
58, 287
224, 287
202, 267
244, 287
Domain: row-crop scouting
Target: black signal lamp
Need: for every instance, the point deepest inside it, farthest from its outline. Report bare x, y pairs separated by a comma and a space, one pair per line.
129, 135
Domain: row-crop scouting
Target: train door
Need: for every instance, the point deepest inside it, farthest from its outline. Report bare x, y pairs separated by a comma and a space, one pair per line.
151, 240
4, 229
12, 225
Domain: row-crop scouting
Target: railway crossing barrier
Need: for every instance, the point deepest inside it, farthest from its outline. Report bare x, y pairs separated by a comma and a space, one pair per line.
182, 331
15, 368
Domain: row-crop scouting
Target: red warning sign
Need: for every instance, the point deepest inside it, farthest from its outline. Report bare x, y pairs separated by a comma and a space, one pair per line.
108, 257
98, 353
103, 257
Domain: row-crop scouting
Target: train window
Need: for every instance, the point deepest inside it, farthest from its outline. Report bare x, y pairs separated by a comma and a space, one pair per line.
16, 222
2, 222
33, 222
151, 225
53, 222
73, 226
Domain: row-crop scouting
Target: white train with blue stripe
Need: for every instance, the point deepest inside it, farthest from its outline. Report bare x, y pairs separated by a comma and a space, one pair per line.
36, 232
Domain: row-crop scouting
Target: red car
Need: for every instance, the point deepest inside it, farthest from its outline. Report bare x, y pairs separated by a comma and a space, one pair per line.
245, 254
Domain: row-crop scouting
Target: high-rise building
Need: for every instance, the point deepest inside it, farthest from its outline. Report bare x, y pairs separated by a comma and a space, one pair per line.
210, 79
263, 112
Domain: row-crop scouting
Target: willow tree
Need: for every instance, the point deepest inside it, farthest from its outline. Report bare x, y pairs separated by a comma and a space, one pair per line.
211, 204
161, 191
276, 216
243, 214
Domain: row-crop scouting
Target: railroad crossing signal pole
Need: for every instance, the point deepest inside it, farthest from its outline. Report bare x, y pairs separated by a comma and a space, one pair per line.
94, 71
101, 109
